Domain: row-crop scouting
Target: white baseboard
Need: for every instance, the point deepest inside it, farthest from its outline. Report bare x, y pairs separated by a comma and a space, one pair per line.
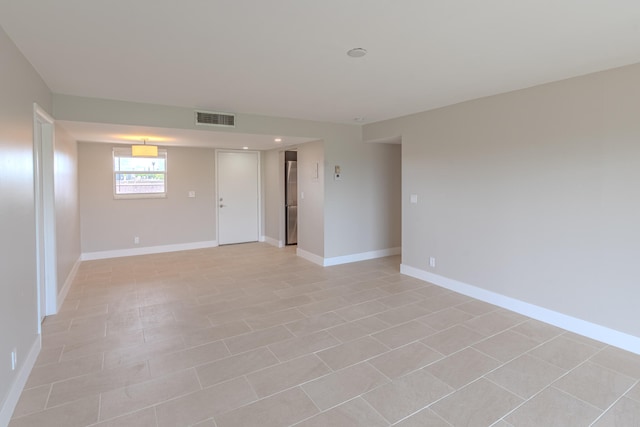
89, 256
582, 327
67, 285
363, 256
15, 391
273, 242
316, 259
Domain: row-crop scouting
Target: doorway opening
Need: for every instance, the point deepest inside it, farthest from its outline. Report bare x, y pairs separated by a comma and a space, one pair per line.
43, 168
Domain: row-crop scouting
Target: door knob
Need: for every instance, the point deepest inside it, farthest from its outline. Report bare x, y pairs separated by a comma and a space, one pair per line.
221, 205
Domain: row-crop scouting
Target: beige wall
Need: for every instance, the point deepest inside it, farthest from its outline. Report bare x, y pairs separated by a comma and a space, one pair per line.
20, 87
273, 190
362, 209
66, 201
109, 224
340, 144
531, 194
311, 198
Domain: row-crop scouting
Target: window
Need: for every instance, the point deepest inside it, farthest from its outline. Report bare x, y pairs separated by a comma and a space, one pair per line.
139, 177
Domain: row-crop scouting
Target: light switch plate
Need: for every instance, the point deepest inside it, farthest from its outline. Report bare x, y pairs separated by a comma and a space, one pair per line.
414, 199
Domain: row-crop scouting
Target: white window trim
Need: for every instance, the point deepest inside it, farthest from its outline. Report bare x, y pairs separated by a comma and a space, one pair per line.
126, 152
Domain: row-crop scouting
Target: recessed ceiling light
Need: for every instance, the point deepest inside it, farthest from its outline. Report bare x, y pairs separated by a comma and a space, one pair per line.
245, 148
357, 52
278, 140
359, 119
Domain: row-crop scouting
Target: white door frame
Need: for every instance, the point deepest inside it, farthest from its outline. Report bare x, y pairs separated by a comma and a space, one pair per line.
282, 232
217, 196
43, 170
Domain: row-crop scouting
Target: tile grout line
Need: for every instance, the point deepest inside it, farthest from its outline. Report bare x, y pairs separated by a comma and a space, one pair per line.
253, 389
366, 402
429, 408
151, 405
99, 406
525, 400
48, 396
602, 414
608, 367
314, 404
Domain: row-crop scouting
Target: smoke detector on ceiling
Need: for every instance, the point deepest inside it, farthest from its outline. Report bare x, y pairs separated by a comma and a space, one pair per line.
357, 52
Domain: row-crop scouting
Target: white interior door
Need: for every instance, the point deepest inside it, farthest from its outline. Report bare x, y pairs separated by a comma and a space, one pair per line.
238, 196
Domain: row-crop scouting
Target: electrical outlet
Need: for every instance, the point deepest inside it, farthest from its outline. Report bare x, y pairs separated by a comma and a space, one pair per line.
136, 240
432, 262
14, 359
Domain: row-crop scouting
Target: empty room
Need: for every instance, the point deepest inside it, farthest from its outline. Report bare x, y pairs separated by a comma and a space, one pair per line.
291, 213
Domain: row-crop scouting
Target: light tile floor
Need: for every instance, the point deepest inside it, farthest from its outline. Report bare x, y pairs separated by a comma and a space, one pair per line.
251, 335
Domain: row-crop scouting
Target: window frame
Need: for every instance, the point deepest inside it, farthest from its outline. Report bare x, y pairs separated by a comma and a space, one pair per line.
120, 152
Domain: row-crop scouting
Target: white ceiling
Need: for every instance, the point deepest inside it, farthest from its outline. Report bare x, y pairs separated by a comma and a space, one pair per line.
118, 134
288, 57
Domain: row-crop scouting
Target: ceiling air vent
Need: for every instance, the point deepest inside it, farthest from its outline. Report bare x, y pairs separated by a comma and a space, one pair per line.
207, 118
